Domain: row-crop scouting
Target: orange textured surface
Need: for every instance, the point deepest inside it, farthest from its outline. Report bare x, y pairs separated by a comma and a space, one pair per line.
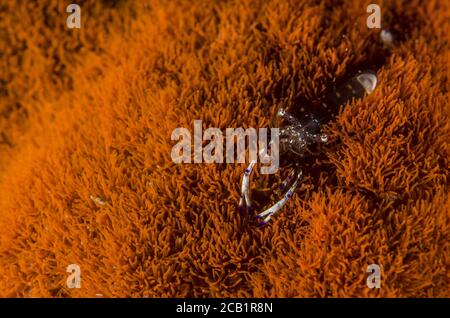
85, 170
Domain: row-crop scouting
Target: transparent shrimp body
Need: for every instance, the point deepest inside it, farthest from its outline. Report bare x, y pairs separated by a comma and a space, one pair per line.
296, 138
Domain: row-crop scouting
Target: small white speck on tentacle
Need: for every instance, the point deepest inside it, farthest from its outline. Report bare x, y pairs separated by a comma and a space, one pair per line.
387, 38
368, 81
98, 200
